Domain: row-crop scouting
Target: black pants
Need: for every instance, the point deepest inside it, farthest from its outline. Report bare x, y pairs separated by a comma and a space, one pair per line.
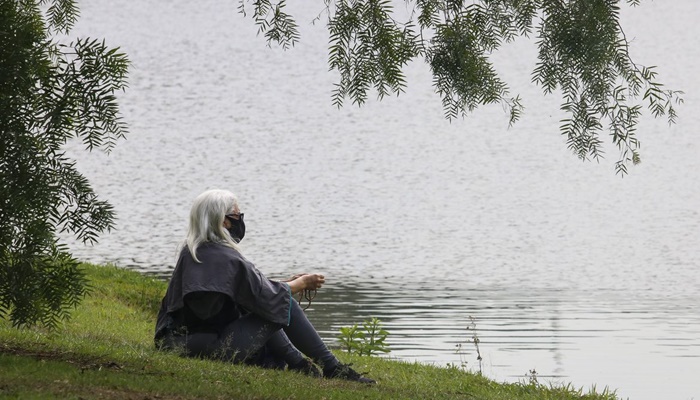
253, 340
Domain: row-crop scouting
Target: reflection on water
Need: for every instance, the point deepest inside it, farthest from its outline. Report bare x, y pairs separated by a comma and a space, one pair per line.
565, 268
552, 321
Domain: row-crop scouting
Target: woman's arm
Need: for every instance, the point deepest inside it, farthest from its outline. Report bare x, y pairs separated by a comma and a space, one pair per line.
306, 282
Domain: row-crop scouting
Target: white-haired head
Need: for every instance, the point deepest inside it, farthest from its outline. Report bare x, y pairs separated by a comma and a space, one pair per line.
207, 220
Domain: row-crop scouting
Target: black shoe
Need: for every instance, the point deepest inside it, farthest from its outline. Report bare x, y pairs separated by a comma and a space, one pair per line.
343, 371
306, 367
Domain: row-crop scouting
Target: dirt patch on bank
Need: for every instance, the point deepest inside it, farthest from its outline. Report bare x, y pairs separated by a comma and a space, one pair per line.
81, 361
65, 388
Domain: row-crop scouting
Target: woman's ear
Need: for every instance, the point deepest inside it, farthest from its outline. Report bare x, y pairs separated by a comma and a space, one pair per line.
227, 223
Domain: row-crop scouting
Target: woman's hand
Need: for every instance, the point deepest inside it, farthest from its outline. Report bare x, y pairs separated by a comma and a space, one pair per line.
313, 281
294, 277
306, 282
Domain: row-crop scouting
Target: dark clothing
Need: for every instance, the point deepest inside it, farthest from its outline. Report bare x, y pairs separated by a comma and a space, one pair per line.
222, 271
253, 340
225, 308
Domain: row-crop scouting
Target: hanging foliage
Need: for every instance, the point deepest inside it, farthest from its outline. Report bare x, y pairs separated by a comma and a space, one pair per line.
582, 53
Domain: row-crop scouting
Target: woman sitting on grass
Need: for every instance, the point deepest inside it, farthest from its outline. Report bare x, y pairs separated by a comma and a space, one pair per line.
218, 305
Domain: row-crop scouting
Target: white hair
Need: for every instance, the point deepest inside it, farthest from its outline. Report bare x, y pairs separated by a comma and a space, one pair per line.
207, 220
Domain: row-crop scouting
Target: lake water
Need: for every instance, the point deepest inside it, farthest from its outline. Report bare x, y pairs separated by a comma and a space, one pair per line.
561, 266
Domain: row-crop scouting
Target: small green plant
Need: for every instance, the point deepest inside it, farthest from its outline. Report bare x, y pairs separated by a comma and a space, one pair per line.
350, 337
370, 341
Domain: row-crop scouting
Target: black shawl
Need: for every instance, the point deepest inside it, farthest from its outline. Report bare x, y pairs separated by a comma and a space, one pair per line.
223, 270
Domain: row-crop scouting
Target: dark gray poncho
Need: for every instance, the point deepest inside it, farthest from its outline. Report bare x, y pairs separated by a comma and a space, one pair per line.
222, 270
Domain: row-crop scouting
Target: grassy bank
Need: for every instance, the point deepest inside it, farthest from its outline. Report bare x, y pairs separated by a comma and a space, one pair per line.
106, 351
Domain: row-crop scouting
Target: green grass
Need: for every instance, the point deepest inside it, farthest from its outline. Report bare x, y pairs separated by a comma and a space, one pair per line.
106, 351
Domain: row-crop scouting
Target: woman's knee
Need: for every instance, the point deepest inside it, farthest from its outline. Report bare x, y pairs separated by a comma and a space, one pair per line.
192, 344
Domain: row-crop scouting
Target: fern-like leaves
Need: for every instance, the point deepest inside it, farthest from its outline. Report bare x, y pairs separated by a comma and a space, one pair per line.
582, 53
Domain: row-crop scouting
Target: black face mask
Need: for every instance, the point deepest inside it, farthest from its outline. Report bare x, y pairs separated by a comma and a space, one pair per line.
237, 229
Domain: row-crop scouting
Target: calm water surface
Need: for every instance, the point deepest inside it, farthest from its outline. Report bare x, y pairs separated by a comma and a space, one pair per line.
563, 267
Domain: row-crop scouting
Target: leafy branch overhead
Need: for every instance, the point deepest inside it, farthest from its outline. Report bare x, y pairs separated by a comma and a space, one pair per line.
583, 53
